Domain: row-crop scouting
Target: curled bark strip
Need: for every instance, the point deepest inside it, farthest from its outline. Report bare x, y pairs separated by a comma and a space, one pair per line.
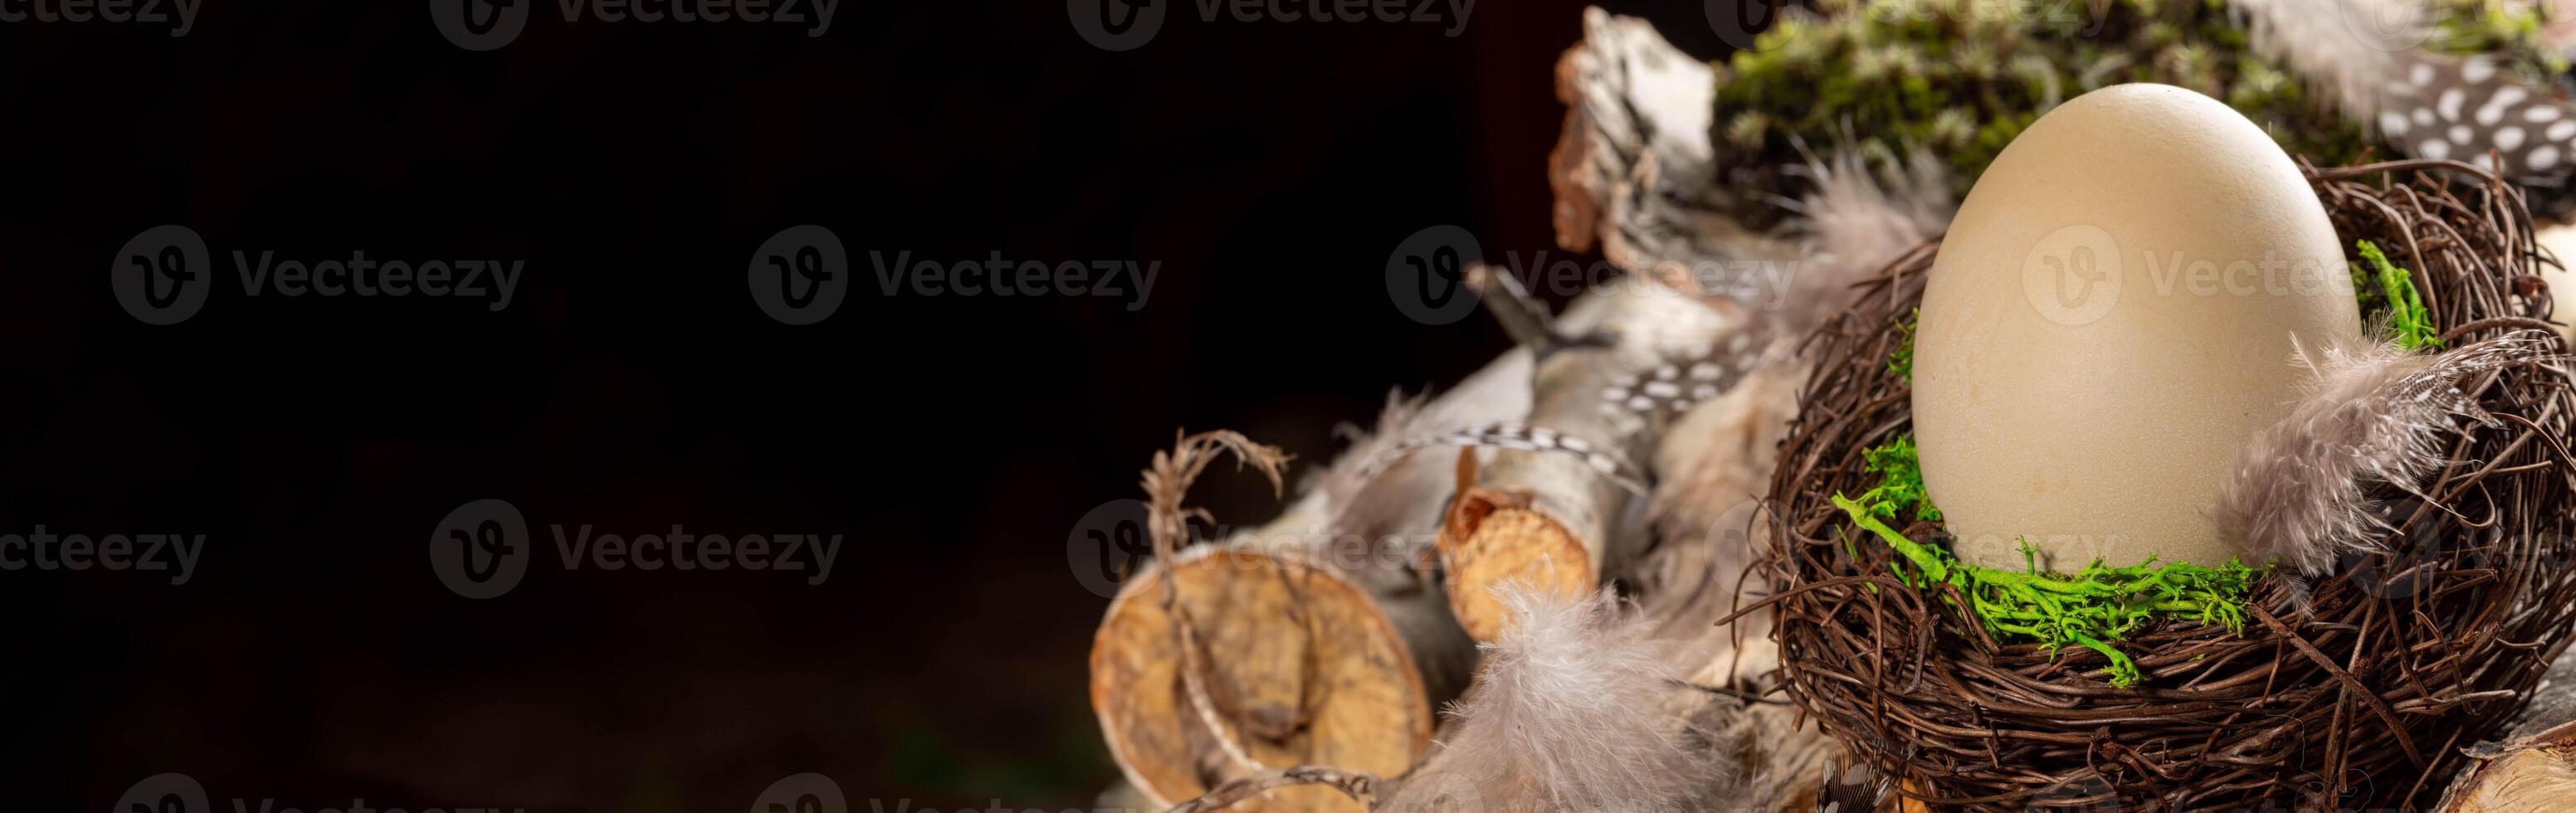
1634, 170
1167, 521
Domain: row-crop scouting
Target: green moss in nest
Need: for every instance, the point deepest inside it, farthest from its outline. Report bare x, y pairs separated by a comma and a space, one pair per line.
1901, 362
2094, 608
2389, 293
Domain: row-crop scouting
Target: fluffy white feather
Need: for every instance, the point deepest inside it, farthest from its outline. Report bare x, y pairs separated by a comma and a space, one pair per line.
2372, 414
1576, 708
1853, 222
2348, 49
1349, 480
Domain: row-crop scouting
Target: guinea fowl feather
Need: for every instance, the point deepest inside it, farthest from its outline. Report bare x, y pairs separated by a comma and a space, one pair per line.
2369, 60
2373, 414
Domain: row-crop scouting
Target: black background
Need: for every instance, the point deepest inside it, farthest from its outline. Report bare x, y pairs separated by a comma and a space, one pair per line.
313, 658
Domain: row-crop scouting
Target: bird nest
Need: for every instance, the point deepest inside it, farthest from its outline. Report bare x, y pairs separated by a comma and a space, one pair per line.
2400, 660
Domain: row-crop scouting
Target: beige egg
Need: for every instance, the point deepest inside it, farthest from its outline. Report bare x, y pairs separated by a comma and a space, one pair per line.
2561, 243
2110, 322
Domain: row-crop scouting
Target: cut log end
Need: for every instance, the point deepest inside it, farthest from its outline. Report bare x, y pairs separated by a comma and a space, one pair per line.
1490, 545
2529, 781
1300, 668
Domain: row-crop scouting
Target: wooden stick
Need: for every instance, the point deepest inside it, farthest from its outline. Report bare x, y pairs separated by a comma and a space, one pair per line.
1300, 667
1553, 519
2534, 767
1634, 169
1307, 641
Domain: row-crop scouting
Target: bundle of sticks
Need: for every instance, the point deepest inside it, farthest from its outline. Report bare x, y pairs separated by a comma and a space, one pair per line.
1522, 594
1542, 552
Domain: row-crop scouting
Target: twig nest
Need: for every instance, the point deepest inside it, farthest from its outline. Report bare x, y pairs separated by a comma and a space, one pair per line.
2404, 657
1298, 667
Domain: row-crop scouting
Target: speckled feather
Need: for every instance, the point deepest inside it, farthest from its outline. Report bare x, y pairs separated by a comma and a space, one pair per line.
1667, 390
2439, 107
1524, 437
2366, 56
2372, 414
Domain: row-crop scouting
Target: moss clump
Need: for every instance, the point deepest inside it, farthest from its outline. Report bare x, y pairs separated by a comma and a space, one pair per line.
1960, 78
2388, 295
1900, 482
1901, 362
2095, 608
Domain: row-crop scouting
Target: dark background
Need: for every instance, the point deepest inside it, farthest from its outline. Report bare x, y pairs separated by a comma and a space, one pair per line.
954, 441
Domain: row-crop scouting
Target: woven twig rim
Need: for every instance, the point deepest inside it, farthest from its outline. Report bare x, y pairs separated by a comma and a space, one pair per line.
2366, 703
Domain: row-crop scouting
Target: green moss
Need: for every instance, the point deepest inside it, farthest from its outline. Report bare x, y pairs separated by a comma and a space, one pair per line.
2388, 292
2481, 26
1960, 78
1901, 362
1900, 483
2094, 608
